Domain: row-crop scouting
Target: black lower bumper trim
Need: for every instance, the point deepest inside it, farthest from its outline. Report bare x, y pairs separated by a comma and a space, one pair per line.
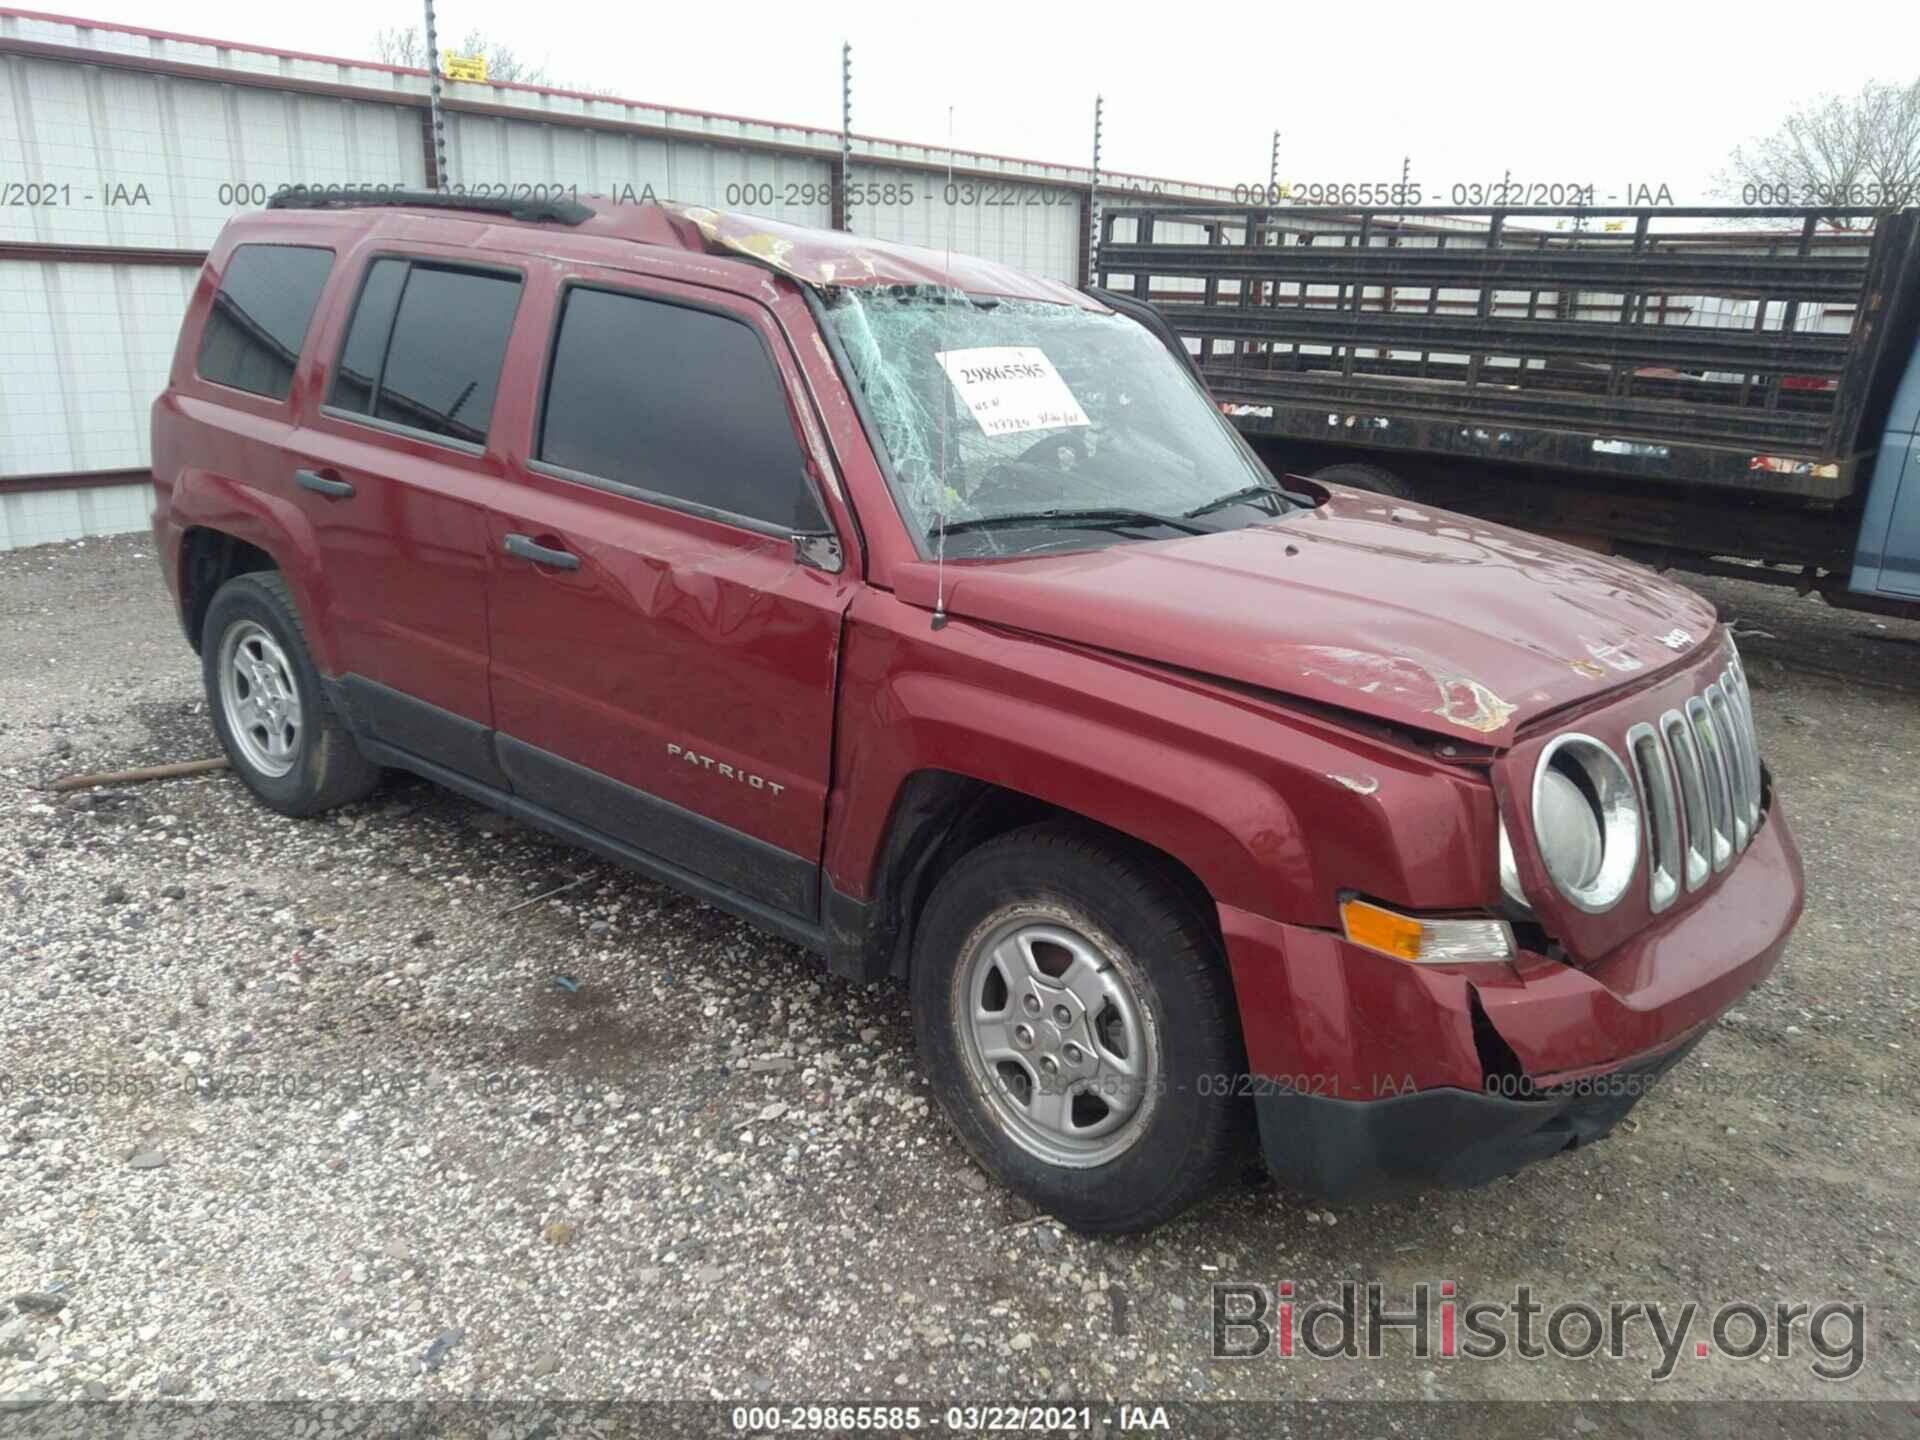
1367, 1149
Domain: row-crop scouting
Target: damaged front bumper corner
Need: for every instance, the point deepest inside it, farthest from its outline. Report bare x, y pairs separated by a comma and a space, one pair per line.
1370, 1076
1369, 1149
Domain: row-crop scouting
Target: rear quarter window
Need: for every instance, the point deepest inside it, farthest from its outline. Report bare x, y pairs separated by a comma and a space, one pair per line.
260, 317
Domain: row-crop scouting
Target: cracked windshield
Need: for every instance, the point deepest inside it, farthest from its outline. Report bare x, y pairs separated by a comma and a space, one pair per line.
1033, 426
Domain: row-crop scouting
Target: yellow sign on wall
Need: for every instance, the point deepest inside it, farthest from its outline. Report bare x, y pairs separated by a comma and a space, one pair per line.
463, 67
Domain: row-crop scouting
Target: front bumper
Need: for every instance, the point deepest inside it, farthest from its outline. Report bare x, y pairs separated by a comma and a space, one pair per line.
1370, 1075
1367, 1149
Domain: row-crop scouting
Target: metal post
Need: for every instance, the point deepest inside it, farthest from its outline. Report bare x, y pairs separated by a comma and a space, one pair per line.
1273, 172
1399, 226
841, 221
436, 116
1093, 199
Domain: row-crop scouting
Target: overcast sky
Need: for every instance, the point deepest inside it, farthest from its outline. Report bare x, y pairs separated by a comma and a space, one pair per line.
1604, 93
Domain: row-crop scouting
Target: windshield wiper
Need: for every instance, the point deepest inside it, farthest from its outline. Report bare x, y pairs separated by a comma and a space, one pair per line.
1108, 518
1251, 492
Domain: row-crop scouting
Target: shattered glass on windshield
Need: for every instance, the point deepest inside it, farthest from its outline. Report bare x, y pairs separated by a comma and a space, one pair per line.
1005, 408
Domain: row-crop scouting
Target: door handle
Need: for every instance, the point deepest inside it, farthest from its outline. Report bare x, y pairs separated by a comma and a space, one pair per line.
322, 484
527, 549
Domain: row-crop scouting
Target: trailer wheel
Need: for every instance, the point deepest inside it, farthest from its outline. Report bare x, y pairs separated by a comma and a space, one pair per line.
1366, 477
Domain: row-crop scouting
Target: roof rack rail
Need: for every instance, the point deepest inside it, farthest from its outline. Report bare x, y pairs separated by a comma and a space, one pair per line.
563, 212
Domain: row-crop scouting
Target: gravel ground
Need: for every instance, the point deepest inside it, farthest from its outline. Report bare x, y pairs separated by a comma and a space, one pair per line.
341, 1128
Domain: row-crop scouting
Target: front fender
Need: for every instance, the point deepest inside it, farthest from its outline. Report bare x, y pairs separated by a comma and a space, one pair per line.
1275, 812
1093, 769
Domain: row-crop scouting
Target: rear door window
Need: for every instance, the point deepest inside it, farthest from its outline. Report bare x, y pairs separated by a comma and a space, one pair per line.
357, 377
673, 403
260, 317
425, 346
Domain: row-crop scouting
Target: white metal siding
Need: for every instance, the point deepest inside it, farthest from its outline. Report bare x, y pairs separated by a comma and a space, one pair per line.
88, 348
42, 517
1026, 226
110, 135
496, 150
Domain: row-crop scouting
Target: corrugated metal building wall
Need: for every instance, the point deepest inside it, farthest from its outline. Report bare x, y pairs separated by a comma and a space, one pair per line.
130, 148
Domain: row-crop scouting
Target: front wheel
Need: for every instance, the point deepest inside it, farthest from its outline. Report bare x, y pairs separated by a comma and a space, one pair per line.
268, 705
1077, 1022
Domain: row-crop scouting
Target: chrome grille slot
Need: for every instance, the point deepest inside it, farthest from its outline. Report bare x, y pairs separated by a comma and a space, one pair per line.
1690, 776
1740, 695
1650, 768
1713, 766
1733, 744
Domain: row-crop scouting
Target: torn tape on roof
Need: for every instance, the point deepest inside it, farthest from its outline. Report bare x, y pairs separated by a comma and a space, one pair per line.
826, 259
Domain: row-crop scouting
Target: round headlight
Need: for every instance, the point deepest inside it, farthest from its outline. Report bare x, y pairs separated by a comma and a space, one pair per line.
1586, 819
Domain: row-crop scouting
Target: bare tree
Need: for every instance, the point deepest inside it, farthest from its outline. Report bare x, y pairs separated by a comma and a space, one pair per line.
397, 46
1854, 152
402, 47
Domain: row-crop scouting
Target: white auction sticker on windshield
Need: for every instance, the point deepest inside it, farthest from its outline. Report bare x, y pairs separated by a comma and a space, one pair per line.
1011, 388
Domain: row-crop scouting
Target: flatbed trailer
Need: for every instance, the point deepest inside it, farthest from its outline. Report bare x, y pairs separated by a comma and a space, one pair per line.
1724, 390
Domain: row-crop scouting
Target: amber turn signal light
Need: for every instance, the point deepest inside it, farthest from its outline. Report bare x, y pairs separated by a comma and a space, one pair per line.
1425, 942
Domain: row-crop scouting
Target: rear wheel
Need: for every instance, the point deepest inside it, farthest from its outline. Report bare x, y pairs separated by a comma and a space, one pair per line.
1077, 1022
268, 705
1366, 477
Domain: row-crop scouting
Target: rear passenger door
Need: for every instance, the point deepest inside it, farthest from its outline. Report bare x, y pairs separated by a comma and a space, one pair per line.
390, 469
663, 651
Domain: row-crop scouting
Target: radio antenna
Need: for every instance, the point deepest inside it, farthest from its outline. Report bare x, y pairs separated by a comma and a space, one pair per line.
946, 408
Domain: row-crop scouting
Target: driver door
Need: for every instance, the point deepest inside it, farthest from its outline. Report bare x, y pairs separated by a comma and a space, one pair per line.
663, 654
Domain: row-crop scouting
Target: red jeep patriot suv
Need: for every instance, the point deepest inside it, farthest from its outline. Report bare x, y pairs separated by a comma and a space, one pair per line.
931, 616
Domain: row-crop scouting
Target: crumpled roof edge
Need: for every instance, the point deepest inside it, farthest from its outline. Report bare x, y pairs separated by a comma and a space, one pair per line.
828, 258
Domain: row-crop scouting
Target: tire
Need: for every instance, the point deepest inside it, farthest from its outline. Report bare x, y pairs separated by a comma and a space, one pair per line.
275, 720
1366, 477
1055, 901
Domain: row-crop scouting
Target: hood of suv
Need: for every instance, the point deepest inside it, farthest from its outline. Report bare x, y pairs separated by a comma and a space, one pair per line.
1409, 614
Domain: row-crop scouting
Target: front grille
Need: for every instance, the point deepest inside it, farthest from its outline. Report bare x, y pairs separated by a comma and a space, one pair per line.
1661, 805
1698, 771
